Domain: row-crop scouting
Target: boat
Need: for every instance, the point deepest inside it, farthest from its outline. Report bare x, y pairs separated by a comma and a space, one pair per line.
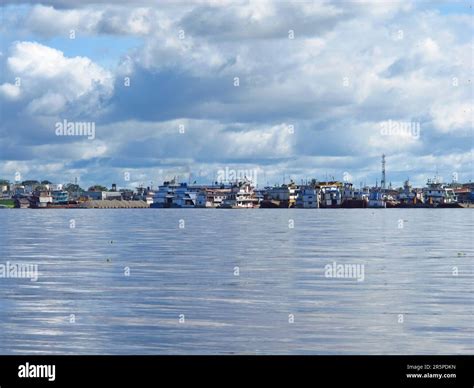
212, 197
330, 197
283, 196
352, 198
376, 199
242, 196
409, 197
185, 197
163, 198
436, 194
308, 198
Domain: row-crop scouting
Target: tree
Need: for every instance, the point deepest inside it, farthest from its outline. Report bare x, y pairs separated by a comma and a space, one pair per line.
98, 188
46, 182
30, 183
40, 188
73, 188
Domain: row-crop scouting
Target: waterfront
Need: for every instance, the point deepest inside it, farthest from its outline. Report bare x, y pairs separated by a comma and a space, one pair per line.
183, 265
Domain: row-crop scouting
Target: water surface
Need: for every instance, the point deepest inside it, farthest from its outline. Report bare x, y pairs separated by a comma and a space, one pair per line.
182, 295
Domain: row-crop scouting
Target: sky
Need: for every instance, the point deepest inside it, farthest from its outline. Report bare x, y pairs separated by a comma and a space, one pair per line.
285, 90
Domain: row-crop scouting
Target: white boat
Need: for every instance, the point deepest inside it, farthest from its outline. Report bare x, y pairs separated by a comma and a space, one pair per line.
436, 193
165, 194
184, 197
308, 198
212, 196
241, 196
331, 196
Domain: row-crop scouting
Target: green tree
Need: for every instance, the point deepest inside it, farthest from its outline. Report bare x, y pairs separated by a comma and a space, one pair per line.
30, 183
98, 188
73, 188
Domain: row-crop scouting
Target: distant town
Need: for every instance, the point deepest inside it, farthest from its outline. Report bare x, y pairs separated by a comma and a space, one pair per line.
238, 194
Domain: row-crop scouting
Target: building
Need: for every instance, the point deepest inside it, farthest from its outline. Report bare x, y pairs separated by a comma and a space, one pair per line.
464, 194
103, 195
112, 195
55, 187
127, 195
17, 190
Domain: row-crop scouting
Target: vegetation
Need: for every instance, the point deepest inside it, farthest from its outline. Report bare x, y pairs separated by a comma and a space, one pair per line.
98, 188
7, 202
73, 188
30, 183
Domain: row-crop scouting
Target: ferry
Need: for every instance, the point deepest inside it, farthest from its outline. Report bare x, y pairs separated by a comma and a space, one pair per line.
331, 197
185, 196
352, 198
163, 198
308, 198
436, 194
241, 196
376, 199
283, 196
213, 196
410, 197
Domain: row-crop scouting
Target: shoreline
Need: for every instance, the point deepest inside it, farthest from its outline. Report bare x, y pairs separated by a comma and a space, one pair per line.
470, 206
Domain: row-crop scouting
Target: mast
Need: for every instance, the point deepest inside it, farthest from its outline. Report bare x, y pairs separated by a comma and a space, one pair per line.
382, 182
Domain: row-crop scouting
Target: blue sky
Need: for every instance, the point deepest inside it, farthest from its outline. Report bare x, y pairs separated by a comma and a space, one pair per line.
324, 88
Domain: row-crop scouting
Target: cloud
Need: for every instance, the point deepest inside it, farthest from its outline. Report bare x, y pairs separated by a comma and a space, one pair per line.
452, 118
10, 91
48, 81
348, 68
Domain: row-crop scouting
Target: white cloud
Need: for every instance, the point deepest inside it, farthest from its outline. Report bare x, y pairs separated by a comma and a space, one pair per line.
271, 142
50, 21
457, 117
390, 76
10, 91
49, 104
50, 80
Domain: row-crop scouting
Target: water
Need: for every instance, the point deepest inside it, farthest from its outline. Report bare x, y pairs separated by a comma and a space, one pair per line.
83, 302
